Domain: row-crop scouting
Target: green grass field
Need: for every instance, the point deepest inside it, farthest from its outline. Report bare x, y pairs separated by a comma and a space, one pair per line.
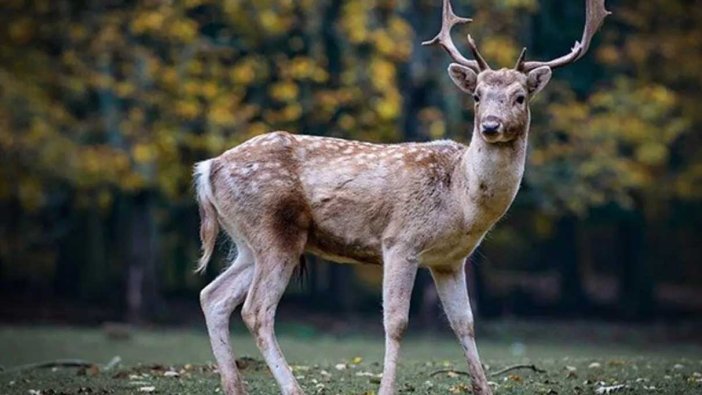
577, 359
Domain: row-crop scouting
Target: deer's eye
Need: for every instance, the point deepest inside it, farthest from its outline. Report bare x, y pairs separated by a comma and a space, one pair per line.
520, 99
476, 98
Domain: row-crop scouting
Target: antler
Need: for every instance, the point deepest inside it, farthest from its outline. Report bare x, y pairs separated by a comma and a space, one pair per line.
595, 14
448, 21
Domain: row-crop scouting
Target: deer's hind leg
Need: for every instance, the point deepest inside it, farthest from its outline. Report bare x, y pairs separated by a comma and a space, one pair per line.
271, 277
277, 254
218, 301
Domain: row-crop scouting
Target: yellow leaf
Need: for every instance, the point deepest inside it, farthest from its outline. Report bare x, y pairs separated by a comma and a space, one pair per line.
143, 153
284, 91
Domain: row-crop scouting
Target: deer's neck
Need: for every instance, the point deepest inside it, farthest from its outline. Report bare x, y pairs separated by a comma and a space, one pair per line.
490, 175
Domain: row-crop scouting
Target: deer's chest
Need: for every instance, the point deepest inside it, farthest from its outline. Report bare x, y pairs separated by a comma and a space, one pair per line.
450, 249
465, 227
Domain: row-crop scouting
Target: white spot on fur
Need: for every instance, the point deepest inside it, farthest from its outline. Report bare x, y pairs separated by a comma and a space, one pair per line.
263, 176
253, 188
280, 182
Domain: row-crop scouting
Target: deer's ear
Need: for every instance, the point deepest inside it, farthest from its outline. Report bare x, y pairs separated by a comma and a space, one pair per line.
463, 77
537, 79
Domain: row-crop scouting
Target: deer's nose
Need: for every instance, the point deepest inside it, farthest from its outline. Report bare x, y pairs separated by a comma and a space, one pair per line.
491, 126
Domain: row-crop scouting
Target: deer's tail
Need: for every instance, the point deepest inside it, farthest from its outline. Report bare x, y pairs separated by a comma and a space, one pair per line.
209, 223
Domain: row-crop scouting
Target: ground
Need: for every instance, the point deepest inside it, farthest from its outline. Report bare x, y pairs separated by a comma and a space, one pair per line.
576, 358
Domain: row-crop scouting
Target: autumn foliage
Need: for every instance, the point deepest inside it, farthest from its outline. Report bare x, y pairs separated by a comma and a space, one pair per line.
105, 106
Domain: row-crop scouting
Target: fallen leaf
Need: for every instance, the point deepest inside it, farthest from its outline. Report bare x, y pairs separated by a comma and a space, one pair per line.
459, 388
247, 362
90, 371
515, 377
147, 389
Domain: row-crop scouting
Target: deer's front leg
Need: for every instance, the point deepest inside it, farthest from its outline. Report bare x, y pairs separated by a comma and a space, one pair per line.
452, 290
399, 272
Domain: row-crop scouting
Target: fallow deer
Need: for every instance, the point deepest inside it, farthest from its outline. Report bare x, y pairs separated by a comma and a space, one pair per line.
402, 206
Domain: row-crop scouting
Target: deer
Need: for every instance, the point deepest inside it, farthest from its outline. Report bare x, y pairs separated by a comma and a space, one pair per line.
403, 206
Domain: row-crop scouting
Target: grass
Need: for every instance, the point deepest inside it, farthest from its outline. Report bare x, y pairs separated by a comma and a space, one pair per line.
578, 359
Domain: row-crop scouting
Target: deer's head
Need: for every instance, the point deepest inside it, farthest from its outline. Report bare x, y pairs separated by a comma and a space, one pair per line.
502, 97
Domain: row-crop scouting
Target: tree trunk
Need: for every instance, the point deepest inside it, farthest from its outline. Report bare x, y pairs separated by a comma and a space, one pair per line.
428, 299
340, 286
67, 262
313, 283
573, 298
141, 276
635, 278
95, 265
482, 302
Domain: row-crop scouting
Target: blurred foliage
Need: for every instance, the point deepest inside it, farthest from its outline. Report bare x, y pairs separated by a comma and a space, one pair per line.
125, 95
603, 148
105, 101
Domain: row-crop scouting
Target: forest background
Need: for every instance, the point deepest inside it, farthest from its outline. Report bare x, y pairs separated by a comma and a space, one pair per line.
106, 105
